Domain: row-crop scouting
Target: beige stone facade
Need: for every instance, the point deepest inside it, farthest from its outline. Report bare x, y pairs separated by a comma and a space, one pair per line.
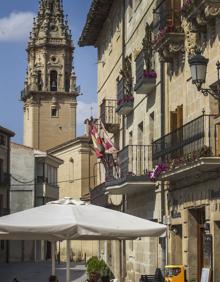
167, 113
77, 177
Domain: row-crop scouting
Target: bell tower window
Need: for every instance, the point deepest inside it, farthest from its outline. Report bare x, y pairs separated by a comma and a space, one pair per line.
53, 80
67, 82
54, 112
39, 81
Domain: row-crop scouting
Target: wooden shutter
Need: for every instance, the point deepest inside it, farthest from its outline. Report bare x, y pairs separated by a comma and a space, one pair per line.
173, 121
179, 116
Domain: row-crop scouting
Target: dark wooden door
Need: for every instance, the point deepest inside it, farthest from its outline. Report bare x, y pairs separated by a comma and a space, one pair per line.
200, 241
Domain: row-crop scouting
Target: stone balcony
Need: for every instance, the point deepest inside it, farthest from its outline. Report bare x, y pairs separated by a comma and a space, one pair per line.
108, 115
169, 42
131, 177
200, 12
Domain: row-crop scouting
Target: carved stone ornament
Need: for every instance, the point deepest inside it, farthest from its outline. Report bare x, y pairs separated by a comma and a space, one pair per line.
170, 45
212, 11
191, 37
204, 11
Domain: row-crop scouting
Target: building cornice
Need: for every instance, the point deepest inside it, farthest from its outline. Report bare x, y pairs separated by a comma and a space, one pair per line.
96, 17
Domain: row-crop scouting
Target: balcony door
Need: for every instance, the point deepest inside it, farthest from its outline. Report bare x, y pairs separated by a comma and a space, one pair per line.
139, 154
218, 140
176, 123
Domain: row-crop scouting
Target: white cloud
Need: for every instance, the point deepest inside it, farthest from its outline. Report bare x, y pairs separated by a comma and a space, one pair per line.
84, 111
16, 27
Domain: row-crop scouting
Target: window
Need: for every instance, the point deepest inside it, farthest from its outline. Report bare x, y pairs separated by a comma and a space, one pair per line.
2, 139
1, 172
140, 133
71, 170
27, 113
39, 81
151, 127
130, 10
67, 82
130, 141
54, 112
2, 245
53, 80
52, 175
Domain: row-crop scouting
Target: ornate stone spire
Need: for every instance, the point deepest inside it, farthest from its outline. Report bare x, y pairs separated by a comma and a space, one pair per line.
50, 50
50, 26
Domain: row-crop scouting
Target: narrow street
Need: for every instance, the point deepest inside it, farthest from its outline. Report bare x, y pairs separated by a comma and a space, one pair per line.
39, 272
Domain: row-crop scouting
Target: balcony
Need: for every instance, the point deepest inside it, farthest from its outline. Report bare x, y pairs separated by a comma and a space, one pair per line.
125, 103
190, 151
145, 80
168, 34
49, 191
200, 12
133, 162
108, 116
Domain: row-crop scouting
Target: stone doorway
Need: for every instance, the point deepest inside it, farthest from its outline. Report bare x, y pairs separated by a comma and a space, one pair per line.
196, 243
216, 252
176, 245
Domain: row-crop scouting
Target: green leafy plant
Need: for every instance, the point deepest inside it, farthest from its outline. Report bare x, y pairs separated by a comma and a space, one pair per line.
98, 266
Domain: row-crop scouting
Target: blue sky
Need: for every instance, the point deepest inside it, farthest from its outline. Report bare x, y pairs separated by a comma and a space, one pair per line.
15, 25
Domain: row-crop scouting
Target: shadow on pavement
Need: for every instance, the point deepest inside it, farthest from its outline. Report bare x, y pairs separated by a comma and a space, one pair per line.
39, 272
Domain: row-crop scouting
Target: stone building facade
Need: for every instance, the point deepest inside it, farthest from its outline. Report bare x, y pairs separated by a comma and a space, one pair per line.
129, 118
5, 158
77, 177
144, 76
33, 183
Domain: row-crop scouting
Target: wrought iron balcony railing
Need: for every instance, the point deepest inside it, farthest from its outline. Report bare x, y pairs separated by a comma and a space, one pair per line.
108, 115
193, 140
145, 80
133, 160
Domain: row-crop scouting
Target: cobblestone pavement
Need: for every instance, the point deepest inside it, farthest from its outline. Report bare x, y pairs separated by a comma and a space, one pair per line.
39, 272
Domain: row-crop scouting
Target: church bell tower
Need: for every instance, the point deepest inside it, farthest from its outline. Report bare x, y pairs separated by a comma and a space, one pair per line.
50, 91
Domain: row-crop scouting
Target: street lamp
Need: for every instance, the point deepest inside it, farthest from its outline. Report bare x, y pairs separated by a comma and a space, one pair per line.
198, 66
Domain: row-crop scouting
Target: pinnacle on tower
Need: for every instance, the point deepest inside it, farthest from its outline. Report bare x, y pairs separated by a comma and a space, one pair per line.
50, 24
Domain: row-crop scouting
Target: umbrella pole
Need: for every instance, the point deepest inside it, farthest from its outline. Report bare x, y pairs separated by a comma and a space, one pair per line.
53, 243
68, 261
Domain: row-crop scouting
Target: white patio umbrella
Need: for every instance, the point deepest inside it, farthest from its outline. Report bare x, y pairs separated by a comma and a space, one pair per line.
70, 219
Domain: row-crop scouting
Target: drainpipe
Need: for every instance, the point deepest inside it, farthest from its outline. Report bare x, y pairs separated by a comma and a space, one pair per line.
122, 242
162, 133
123, 63
8, 191
162, 124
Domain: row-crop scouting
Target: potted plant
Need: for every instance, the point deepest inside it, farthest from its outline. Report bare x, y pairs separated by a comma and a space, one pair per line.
125, 104
98, 269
